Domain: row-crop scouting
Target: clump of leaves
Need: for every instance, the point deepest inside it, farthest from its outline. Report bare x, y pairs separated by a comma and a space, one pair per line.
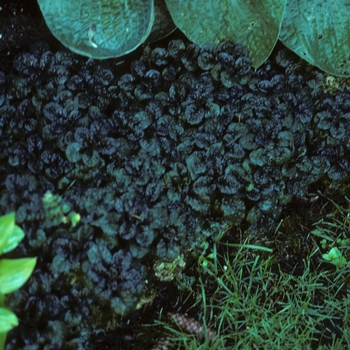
13, 272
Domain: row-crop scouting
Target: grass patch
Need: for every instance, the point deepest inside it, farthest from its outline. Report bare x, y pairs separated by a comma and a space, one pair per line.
252, 303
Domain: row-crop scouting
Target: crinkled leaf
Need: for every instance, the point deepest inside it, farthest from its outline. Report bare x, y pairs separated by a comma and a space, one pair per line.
10, 234
99, 29
14, 273
8, 320
319, 32
255, 24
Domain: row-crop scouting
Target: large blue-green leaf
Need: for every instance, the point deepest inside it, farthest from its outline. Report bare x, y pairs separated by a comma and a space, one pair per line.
319, 32
253, 23
99, 28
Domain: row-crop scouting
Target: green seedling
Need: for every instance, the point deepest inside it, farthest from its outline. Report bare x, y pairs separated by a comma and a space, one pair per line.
209, 261
58, 212
334, 234
203, 260
335, 257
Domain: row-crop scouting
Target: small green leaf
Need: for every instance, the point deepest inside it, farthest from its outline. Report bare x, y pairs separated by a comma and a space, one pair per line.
323, 243
74, 218
211, 256
14, 273
333, 254
10, 234
8, 320
335, 257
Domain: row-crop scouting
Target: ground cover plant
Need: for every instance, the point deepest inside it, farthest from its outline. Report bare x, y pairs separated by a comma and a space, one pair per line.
122, 173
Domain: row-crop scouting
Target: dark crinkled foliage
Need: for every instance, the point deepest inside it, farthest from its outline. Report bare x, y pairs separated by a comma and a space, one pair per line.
185, 143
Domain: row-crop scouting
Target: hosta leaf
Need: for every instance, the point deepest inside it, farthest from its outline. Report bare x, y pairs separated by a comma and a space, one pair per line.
319, 32
8, 320
99, 28
10, 233
253, 23
14, 273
